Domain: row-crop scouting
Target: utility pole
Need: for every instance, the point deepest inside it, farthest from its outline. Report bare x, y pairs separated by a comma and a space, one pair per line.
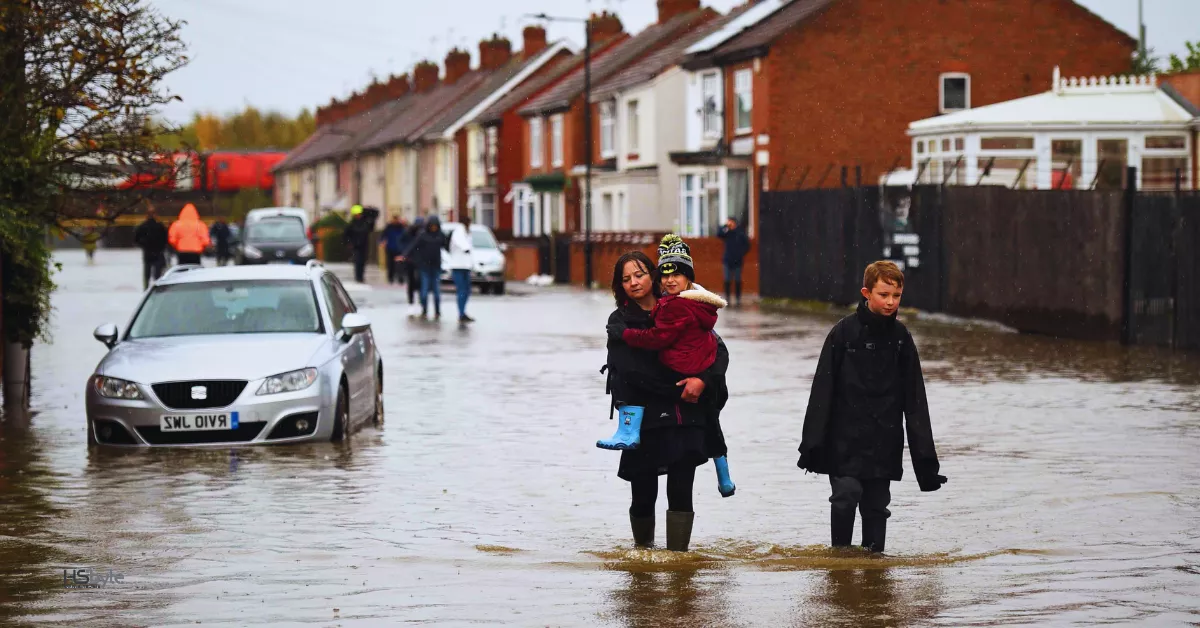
1141, 32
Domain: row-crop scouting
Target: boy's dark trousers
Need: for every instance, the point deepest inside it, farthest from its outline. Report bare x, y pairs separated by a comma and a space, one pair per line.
871, 498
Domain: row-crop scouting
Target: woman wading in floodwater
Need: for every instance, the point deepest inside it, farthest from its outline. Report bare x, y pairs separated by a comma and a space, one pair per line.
680, 429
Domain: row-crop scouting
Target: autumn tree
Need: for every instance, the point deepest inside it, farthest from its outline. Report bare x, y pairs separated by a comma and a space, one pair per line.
80, 82
248, 129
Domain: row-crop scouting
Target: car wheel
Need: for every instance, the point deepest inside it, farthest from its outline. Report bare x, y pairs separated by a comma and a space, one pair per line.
341, 418
498, 288
378, 418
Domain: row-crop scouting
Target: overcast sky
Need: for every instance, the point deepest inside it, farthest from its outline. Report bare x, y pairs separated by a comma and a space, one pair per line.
290, 54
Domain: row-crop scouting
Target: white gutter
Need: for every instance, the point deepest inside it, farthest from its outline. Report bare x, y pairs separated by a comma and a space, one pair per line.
1044, 127
512, 84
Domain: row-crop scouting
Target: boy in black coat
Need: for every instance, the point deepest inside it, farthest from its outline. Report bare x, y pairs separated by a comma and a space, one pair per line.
868, 381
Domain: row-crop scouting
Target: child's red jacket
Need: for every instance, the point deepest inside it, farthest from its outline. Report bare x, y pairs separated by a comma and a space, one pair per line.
682, 332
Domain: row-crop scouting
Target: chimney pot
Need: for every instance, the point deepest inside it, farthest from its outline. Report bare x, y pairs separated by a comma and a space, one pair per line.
534, 42
494, 53
670, 9
425, 76
458, 64
605, 26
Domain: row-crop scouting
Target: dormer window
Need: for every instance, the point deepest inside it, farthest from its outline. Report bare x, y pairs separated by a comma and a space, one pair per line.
954, 92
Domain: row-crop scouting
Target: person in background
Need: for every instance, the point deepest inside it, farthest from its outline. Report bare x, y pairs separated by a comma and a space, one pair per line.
151, 238
358, 236
221, 238
460, 262
188, 236
89, 239
425, 252
412, 277
737, 245
396, 239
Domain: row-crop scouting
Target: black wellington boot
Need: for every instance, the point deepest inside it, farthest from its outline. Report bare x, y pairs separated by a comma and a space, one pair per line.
643, 530
841, 526
679, 530
874, 534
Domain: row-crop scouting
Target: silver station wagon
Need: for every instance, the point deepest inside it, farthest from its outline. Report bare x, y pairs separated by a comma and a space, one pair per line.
237, 355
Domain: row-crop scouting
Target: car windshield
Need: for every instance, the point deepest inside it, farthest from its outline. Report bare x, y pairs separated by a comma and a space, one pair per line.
281, 229
482, 239
228, 307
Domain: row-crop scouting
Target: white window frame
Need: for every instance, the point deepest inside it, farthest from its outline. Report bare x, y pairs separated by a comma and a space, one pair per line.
716, 117
633, 127
537, 143
743, 92
492, 150
942, 90
608, 129
556, 140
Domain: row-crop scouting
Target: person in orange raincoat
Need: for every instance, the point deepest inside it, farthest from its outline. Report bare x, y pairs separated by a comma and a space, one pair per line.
188, 236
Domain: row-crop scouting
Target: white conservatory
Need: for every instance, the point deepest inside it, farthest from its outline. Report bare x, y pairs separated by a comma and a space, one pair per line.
1082, 134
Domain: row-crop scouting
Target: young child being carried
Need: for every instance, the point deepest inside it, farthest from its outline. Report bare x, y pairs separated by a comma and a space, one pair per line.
682, 335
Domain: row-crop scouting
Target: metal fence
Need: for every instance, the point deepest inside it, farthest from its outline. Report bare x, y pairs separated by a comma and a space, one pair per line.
1075, 263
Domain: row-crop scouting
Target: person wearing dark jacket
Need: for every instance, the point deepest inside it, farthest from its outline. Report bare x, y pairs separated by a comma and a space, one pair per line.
358, 236
681, 424
396, 239
222, 239
425, 253
868, 381
737, 245
151, 237
412, 277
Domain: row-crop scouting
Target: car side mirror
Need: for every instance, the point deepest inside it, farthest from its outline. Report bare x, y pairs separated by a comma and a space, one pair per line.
107, 334
503, 247
354, 324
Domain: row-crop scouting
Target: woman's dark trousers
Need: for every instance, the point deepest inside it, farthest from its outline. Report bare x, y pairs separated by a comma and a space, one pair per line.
871, 498
680, 479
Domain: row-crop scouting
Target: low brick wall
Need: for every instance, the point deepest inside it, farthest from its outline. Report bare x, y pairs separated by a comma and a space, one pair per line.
521, 260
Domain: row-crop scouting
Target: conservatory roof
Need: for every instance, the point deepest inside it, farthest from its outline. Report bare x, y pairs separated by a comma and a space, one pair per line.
1105, 101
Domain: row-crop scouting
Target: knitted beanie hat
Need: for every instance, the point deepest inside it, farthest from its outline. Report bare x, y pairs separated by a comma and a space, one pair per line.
675, 256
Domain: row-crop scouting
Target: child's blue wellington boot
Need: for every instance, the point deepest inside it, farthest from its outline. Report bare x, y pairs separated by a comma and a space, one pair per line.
629, 431
724, 482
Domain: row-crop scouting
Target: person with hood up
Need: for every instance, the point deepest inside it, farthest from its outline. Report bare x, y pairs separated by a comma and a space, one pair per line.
411, 276
151, 238
189, 236
396, 239
358, 236
425, 253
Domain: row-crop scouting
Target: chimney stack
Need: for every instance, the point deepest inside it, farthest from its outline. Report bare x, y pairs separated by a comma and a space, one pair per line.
356, 104
535, 42
425, 76
670, 9
494, 53
605, 26
397, 87
458, 64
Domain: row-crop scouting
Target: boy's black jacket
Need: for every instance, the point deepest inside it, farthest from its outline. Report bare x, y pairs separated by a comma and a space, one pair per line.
868, 382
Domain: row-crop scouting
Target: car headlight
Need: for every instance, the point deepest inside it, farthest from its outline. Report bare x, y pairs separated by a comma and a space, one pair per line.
113, 388
288, 382
306, 250
251, 252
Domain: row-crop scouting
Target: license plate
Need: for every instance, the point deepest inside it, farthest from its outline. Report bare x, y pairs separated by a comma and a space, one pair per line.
207, 422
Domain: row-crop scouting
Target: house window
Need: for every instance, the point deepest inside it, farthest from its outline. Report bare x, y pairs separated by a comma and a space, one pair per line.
634, 126
493, 141
1166, 142
485, 210
710, 93
1066, 164
608, 124
1008, 171
622, 222
556, 141
954, 92
536, 143
1158, 173
1006, 143
479, 138
744, 95
1113, 157
606, 213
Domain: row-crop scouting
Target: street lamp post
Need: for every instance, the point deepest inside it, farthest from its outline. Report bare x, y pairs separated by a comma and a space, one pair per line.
587, 139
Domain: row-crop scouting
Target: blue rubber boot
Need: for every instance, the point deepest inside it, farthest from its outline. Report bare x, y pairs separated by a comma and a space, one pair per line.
724, 482
629, 432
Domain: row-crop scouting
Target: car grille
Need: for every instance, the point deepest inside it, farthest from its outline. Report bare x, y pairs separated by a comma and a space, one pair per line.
218, 394
245, 432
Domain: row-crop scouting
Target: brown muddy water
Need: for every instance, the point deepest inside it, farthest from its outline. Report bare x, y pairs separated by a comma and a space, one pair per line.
1074, 493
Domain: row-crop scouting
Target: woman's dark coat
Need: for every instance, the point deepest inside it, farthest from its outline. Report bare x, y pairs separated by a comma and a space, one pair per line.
868, 382
425, 251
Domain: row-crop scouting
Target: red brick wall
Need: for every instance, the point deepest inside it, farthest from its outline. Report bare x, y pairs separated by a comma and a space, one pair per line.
851, 80
511, 158
706, 256
460, 183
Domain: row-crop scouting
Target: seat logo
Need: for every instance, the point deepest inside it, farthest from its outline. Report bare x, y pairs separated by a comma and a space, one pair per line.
199, 393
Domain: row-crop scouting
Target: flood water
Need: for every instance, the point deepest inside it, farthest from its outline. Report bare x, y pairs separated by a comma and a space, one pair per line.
1073, 494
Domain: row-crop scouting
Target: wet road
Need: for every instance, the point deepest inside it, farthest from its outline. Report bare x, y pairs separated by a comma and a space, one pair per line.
1074, 494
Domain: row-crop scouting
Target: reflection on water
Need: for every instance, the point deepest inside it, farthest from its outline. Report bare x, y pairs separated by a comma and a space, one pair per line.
872, 597
684, 596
